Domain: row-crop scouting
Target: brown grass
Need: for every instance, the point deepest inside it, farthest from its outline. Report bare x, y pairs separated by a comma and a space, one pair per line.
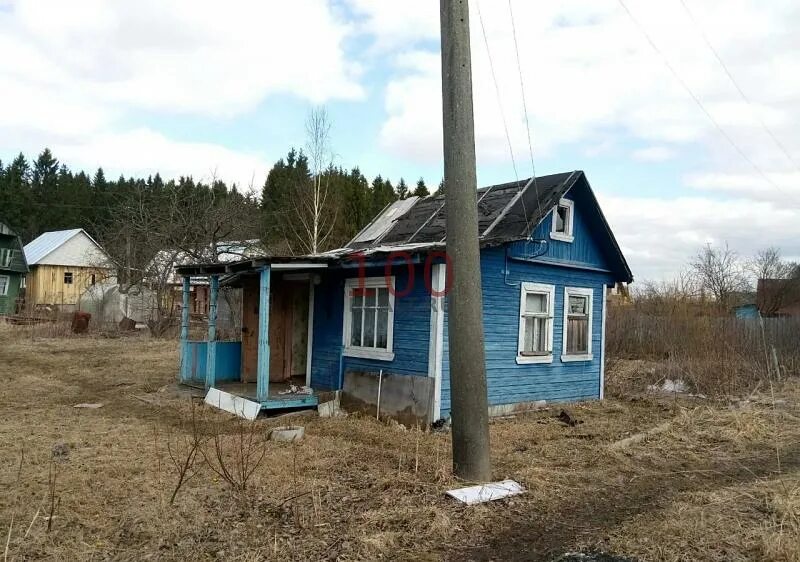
707, 488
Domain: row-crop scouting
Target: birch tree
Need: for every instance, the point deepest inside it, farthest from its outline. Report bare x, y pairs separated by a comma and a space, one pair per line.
313, 206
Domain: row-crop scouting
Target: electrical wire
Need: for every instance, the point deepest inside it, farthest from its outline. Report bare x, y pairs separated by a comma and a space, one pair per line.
699, 102
527, 121
733, 81
497, 92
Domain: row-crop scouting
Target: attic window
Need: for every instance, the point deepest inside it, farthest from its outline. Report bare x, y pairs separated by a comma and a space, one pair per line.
562, 221
67, 278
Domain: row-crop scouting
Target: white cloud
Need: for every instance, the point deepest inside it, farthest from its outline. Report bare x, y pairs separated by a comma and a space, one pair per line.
143, 152
594, 85
588, 70
188, 56
75, 75
659, 235
653, 154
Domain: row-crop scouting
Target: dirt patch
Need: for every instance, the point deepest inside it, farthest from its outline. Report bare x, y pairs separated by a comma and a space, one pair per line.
708, 488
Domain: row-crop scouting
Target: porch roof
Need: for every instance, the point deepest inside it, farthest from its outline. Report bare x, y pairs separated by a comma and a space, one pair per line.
331, 258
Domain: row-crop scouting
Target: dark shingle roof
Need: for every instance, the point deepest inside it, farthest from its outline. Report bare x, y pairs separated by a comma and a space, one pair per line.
506, 212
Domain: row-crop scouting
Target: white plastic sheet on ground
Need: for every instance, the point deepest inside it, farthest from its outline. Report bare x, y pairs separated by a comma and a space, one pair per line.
487, 492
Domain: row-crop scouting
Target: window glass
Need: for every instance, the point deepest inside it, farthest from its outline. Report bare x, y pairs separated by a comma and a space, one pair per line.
578, 325
536, 324
4, 280
370, 317
536, 302
68, 278
561, 219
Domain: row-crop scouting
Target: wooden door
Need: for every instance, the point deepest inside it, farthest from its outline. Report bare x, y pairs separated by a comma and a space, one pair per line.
250, 299
287, 330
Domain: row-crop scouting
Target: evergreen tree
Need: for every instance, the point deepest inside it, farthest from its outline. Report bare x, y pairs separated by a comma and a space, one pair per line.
402, 189
421, 190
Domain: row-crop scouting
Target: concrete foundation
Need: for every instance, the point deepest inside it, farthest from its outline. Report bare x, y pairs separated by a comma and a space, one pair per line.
405, 398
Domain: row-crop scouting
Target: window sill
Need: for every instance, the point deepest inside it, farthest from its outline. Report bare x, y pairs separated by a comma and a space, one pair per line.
571, 358
366, 353
561, 237
533, 359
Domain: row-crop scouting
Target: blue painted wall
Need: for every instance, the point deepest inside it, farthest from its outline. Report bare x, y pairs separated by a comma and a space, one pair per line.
584, 250
507, 381
229, 361
411, 327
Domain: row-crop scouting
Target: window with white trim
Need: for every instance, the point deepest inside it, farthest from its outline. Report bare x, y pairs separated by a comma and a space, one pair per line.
369, 318
5, 281
6, 256
577, 324
536, 323
562, 221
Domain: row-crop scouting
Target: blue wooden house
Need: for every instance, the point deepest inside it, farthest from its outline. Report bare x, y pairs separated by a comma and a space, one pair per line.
371, 319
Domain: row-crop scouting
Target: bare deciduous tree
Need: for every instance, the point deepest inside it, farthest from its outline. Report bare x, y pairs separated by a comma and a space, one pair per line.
313, 210
155, 230
778, 280
720, 272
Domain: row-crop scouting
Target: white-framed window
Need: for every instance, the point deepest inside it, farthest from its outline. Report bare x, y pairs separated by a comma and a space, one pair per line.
369, 318
23, 283
5, 281
6, 256
563, 215
577, 324
536, 307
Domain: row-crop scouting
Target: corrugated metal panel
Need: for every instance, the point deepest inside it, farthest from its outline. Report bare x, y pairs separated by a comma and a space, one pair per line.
47, 243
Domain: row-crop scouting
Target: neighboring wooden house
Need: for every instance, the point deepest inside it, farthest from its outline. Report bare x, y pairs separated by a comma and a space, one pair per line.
63, 264
13, 268
371, 318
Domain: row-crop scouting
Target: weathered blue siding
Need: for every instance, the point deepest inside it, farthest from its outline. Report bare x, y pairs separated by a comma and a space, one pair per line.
507, 381
411, 327
228, 360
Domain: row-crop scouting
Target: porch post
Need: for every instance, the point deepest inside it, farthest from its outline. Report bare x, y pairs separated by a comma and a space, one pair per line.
262, 384
211, 355
185, 360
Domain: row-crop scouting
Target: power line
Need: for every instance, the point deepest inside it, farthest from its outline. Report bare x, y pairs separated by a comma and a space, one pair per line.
525, 111
497, 91
697, 100
733, 81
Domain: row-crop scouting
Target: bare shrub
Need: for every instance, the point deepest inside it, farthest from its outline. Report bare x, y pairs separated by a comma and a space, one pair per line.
714, 354
236, 454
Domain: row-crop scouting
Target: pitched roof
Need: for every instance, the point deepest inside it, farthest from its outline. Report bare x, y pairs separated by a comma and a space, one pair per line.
506, 212
48, 242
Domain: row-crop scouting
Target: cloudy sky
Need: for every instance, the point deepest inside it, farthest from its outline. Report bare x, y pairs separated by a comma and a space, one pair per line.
189, 87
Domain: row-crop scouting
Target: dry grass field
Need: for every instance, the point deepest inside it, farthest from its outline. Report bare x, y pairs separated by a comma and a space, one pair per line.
717, 482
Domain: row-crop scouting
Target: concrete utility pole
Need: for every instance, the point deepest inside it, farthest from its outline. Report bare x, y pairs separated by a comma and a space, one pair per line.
469, 408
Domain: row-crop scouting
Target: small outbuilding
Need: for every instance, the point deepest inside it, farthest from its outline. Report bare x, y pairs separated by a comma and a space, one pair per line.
63, 264
371, 319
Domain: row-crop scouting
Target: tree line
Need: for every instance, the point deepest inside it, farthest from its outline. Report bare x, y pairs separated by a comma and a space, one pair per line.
138, 214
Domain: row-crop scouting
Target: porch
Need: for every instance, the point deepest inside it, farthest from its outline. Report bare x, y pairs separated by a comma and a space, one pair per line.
270, 363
